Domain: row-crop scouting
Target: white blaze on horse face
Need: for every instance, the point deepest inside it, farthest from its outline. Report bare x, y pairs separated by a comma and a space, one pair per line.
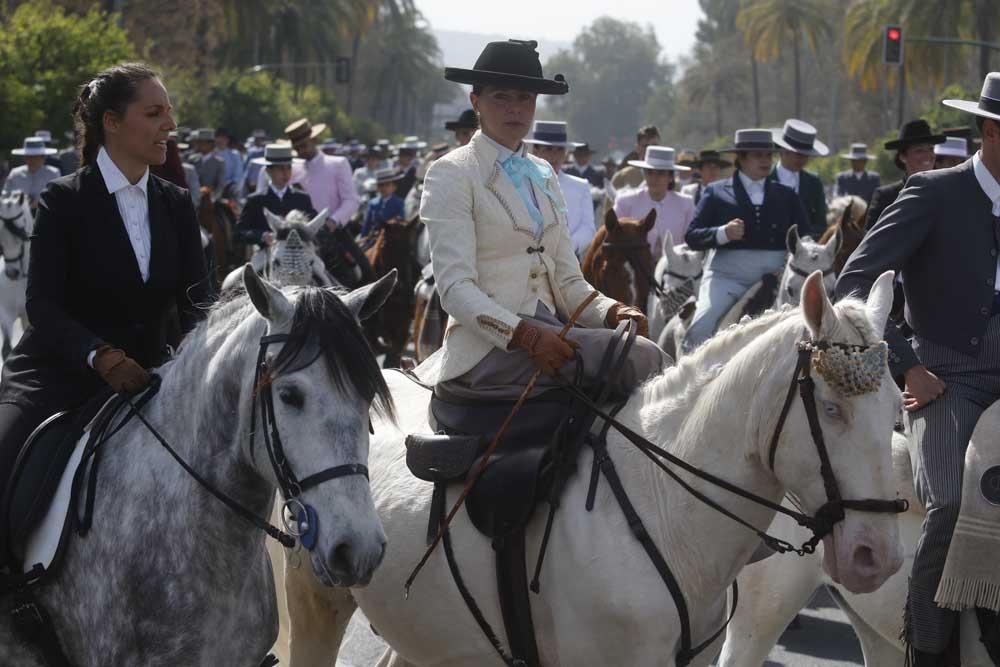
863, 550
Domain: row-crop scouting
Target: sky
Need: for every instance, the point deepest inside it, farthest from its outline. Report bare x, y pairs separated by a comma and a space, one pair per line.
674, 21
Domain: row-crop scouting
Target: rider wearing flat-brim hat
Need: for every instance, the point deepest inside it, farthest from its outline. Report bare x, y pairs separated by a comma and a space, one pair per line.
914, 153
501, 253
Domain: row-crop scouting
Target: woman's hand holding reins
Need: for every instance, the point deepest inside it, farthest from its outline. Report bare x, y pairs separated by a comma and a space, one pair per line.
620, 312
548, 351
120, 371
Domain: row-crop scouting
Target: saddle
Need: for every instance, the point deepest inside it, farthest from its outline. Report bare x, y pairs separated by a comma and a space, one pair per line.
533, 462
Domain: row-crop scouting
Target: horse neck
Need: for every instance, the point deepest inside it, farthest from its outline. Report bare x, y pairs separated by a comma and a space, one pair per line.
707, 411
202, 407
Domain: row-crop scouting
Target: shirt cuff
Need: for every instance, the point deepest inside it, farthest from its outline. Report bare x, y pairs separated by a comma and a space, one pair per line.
90, 357
720, 235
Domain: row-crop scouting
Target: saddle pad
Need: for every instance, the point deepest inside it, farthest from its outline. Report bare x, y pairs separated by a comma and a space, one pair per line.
42, 543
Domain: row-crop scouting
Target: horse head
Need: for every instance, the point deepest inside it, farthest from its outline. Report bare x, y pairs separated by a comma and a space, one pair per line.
679, 273
619, 261
843, 411
292, 258
318, 382
15, 233
847, 215
805, 256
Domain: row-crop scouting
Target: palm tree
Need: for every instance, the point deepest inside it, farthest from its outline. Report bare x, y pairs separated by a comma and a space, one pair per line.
767, 24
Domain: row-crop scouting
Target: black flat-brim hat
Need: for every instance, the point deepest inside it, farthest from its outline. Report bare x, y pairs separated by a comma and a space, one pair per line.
915, 132
510, 64
988, 105
713, 157
466, 121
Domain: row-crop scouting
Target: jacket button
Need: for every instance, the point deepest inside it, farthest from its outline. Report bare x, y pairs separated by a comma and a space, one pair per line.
988, 281
533, 275
984, 311
973, 341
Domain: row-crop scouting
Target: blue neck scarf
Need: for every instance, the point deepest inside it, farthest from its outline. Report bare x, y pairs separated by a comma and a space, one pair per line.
523, 173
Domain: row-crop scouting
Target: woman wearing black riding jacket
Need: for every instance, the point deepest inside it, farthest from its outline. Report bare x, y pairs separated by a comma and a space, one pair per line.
115, 249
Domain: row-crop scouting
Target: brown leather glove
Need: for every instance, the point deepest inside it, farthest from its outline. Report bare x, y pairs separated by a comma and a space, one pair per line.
121, 372
619, 312
548, 351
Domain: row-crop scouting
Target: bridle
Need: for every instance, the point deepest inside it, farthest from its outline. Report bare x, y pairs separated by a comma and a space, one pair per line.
627, 249
19, 233
829, 514
805, 274
306, 525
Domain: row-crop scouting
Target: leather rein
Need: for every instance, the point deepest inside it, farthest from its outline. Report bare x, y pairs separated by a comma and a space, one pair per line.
823, 521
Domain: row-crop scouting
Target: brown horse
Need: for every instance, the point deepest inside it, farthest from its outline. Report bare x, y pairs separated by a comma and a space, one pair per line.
848, 215
218, 218
619, 261
389, 330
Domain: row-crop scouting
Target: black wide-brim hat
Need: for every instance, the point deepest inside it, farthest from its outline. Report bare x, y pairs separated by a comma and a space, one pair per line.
914, 132
510, 64
467, 121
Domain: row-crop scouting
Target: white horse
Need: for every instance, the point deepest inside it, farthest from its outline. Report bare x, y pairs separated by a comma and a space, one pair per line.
291, 259
602, 602
805, 256
15, 242
167, 575
678, 273
772, 592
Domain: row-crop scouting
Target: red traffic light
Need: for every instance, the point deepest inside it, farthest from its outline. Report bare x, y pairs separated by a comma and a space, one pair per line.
894, 34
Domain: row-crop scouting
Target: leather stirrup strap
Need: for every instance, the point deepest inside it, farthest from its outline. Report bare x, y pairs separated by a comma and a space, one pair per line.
515, 604
33, 625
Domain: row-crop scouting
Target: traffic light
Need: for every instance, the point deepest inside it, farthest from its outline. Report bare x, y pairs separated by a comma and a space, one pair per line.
892, 47
342, 67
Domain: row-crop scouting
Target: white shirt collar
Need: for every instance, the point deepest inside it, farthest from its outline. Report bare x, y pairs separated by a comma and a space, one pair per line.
750, 185
502, 151
987, 182
114, 179
281, 193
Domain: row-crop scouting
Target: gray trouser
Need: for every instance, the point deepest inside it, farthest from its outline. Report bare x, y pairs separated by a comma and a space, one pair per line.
728, 275
941, 431
503, 375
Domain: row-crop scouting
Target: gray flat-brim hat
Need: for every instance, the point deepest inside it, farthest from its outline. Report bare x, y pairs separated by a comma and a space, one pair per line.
276, 154
799, 137
551, 133
752, 139
988, 105
34, 146
858, 151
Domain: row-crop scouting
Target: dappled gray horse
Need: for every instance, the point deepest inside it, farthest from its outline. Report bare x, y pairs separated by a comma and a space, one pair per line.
168, 575
15, 242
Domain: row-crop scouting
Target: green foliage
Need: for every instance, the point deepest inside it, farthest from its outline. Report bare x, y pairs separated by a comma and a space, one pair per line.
242, 101
940, 116
46, 54
614, 71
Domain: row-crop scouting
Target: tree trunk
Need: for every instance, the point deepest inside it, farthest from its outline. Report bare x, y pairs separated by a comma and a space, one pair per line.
756, 92
986, 32
355, 48
798, 74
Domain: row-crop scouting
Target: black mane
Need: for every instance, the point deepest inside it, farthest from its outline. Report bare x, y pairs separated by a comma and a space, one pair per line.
322, 324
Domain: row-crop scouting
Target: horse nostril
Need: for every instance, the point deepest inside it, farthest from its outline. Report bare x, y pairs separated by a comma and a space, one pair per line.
342, 558
864, 559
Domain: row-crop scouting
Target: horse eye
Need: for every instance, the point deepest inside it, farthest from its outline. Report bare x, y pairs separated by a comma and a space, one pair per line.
291, 397
832, 410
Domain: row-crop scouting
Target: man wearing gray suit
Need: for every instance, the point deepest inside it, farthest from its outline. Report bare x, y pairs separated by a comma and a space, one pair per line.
942, 232
210, 167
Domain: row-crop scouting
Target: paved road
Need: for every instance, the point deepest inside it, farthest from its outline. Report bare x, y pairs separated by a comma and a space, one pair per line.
822, 638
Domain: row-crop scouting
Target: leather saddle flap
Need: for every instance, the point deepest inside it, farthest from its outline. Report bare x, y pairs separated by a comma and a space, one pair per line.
442, 458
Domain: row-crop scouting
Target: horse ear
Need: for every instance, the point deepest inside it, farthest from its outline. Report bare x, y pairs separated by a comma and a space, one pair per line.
266, 298
611, 220
649, 222
20, 197
273, 221
792, 239
815, 304
668, 245
317, 223
880, 301
845, 217
365, 301
837, 240
610, 191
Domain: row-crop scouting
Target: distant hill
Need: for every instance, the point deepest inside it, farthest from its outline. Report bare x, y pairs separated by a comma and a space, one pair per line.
460, 49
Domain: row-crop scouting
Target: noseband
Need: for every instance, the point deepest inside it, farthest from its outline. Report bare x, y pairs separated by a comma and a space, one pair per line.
805, 274
306, 525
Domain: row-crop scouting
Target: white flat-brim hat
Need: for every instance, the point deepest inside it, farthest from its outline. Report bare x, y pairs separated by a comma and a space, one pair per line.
276, 154
988, 105
953, 147
34, 146
660, 158
799, 137
551, 133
